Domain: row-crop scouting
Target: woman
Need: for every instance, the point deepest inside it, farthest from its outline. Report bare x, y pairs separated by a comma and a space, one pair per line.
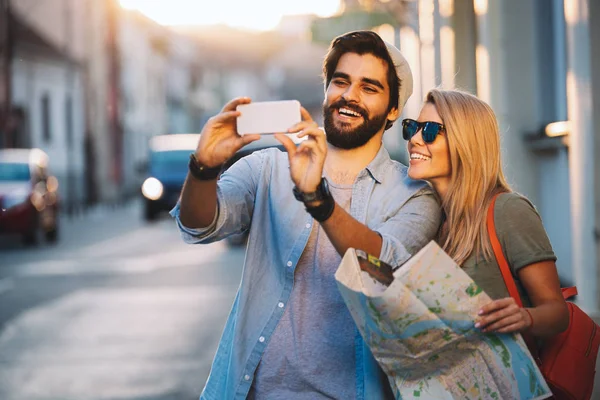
455, 146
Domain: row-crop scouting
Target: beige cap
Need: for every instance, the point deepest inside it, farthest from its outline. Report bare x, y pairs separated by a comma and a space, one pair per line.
404, 74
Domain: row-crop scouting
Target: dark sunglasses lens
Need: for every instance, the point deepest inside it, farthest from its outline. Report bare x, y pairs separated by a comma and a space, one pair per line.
409, 128
430, 131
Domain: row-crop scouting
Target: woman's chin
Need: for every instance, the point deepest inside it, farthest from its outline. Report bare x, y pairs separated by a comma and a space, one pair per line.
413, 174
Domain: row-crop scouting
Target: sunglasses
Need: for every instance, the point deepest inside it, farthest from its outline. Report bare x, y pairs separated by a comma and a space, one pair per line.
410, 127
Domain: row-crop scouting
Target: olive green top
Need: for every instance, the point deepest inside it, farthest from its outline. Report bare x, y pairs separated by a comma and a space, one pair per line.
523, 239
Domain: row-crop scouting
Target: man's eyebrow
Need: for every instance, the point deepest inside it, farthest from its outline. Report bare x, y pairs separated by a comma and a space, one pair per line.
340, 75
373, 82
370, 81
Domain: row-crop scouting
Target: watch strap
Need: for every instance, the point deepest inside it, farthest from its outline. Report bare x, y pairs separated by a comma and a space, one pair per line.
202, 172
323, 211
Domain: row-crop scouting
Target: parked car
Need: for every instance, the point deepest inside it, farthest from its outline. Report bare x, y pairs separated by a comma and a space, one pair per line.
29, 203
168, 166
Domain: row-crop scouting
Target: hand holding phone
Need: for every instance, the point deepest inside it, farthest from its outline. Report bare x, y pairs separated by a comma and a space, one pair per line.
219, 139
268, 117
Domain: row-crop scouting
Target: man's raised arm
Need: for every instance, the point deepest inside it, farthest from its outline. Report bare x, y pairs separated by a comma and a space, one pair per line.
219, 141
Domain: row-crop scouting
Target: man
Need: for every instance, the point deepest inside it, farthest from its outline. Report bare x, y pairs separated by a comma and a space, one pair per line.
289, 334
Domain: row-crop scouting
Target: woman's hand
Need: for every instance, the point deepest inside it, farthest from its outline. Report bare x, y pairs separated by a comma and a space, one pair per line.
503, 316
306, 160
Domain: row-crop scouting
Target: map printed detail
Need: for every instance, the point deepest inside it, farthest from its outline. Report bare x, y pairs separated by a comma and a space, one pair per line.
419, 324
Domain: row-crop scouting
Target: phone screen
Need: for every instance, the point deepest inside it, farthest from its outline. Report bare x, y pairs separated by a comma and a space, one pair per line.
268, 117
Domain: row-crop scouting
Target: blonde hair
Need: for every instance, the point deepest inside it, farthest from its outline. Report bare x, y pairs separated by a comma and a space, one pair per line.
474, 145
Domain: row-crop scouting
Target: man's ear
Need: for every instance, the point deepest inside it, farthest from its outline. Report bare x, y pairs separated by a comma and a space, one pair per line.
393, 114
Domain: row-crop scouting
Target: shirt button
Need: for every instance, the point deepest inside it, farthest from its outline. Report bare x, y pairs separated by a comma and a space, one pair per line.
247, 377
307, 226
261, 339
289, 263
280, 305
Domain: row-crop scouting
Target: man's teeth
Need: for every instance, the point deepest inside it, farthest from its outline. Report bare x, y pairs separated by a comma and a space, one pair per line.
417, 156
349, 112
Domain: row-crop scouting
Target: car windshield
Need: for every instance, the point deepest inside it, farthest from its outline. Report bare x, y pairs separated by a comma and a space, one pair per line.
170, 161
14, 172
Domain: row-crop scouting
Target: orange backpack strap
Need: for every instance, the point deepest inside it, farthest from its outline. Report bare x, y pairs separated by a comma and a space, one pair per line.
502, 263
505, 269
569, 292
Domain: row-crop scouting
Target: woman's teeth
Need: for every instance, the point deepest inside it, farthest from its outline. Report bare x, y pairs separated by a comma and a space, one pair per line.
418, 156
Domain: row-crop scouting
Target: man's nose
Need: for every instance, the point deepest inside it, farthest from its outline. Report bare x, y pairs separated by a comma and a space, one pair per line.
351, 94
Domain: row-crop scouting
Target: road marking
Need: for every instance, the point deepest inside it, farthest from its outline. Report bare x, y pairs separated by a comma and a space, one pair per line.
131, 239
6, 284
124, 265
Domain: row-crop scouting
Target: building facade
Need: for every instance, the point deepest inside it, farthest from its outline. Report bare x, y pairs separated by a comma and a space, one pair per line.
92, 82
143, 62
47, 92
80, 113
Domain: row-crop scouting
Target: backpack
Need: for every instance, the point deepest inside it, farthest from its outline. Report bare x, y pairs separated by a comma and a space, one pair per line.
568, 360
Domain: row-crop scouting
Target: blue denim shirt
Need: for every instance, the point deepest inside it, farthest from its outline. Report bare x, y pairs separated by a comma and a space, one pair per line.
255, 194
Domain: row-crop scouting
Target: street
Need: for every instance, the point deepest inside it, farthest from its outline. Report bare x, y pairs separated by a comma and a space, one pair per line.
118, 309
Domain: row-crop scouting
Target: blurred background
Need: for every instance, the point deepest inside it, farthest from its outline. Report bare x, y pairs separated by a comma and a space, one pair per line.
99, 299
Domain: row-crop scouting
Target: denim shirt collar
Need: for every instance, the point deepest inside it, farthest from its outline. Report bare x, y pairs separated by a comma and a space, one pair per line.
376, 168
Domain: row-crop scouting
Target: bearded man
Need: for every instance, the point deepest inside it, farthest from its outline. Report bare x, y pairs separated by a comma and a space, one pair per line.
289, 334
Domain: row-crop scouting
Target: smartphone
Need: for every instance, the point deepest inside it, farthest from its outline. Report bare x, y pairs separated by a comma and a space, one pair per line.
268, 117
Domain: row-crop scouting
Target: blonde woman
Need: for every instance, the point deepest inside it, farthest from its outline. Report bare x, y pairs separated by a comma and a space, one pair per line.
455, 146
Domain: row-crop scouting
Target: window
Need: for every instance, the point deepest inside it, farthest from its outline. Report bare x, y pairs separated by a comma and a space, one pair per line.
14, 172
46, 120
69, 120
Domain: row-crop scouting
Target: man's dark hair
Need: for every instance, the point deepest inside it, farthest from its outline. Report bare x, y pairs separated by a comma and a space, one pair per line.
362, 42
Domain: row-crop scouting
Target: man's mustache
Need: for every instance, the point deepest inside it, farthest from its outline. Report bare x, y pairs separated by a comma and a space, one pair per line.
343, 103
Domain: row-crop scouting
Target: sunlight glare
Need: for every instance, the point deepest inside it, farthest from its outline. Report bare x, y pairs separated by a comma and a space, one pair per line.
254, 15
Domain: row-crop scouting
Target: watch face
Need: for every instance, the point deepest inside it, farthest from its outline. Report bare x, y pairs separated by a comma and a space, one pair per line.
325, 188
321, 192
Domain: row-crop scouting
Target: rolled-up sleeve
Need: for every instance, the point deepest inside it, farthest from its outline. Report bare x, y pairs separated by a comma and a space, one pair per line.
236, 191
410, 229
191, 235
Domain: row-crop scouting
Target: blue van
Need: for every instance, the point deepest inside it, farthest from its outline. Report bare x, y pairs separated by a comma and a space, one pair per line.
166, 171
168, 166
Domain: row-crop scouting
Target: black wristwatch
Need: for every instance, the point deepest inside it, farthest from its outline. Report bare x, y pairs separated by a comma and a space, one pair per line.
320, 194
324, 210
202, 172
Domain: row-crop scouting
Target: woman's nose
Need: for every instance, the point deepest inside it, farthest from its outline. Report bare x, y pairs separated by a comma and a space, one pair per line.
418, 138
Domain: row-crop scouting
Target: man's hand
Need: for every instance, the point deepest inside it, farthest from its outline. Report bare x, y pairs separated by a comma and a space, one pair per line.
306, 160
219, 139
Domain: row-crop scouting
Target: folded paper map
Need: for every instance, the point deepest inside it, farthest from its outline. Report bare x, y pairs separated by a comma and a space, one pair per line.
419, 324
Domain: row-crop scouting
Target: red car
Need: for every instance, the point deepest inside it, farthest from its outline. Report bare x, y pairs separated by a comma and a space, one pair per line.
28, 195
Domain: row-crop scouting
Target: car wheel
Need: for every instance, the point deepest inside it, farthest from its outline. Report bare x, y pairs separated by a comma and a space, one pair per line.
150, 212
52, 235
51, 227
31, 237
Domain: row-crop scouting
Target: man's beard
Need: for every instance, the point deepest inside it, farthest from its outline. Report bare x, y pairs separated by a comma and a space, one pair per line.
347, 138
